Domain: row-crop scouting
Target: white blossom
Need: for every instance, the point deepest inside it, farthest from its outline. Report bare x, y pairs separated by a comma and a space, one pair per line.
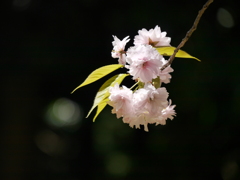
118, 49
148, 104
145, 106
144, 62
152, 37
169, 111
165, 74
121, 100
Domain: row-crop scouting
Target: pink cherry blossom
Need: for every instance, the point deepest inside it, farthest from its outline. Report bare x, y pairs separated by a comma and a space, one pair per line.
165, 74
144, 62
121, 100
150, 99
152, 37
142, 119
169, 111
118, 49
145, 106
148, 104
157, 99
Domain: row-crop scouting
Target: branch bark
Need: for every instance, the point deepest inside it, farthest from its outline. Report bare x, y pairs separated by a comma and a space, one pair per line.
189, 33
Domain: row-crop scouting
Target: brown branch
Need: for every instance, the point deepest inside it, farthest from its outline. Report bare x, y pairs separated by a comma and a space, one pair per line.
189, 33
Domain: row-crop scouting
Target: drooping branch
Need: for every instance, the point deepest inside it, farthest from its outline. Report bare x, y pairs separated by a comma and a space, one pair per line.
189, 33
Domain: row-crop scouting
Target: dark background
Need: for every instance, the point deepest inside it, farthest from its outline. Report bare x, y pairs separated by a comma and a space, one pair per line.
48, 47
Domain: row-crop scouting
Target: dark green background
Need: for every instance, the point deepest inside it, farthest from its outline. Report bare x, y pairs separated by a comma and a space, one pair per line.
50, 46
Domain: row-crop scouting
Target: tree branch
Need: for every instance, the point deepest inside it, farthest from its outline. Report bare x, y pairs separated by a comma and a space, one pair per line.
189, 33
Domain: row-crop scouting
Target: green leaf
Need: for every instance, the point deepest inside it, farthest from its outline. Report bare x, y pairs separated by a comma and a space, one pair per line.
119, 79
98, 74
100, 107
103, 92
168, 51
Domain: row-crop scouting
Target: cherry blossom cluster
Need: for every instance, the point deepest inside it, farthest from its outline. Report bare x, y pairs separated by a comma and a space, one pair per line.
148, 103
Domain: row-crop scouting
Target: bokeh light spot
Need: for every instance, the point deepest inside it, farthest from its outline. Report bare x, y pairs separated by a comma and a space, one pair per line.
64, 113
225, 18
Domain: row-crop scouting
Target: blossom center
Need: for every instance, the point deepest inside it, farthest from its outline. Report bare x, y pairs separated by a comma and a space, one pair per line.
145, 63
152, 43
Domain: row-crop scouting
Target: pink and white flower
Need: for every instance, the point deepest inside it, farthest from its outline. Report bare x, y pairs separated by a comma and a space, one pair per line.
150, 99
165, 74
121, 100
152, 37
144, 62
118, 49
157, 100
169, 111
148, 104
145, 106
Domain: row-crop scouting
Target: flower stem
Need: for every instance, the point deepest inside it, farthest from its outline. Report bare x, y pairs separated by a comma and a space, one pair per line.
189, 33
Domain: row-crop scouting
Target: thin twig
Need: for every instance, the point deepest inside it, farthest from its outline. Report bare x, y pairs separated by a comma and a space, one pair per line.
189, 33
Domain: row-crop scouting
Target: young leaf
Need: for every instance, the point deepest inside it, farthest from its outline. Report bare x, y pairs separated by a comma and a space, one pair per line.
98, 74
168, 51
103, 92
119, 79
100, 107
